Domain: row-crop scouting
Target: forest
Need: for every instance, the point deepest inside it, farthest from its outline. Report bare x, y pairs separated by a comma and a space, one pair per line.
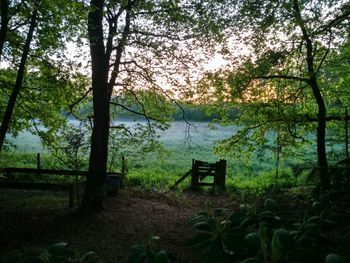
175, 130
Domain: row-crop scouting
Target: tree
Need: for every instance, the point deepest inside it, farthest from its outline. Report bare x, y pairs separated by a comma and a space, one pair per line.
336, 76
19, 79
286, 46
36, 31
4, 23
93, 196
148, 45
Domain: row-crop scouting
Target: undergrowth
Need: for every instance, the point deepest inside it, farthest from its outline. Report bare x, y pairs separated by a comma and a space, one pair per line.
157, 173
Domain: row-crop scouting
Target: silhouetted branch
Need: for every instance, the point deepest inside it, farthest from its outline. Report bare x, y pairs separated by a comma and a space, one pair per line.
335, 22
121, 127
71, 106
120, 47
135, 112
325, 54
283, 77
167, 36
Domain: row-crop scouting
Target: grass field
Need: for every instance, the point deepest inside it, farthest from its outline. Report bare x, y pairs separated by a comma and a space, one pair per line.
158, 170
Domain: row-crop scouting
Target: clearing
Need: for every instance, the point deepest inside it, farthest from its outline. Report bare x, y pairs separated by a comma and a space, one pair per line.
32, 221
130, 218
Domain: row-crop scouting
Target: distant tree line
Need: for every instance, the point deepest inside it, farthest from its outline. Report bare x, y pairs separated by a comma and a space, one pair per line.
186, 112
200, 113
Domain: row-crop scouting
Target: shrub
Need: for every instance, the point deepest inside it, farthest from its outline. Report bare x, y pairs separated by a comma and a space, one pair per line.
148, 253
259, 236
65, 253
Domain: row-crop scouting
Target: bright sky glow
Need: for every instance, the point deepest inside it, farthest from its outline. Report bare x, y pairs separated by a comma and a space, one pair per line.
216, 62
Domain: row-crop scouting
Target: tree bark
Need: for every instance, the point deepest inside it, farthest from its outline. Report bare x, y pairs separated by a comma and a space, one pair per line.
4, 24
321, 116
321, 136
94, 192
19, 79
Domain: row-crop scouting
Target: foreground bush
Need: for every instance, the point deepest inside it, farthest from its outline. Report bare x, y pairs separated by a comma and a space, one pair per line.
65, 253
261, 236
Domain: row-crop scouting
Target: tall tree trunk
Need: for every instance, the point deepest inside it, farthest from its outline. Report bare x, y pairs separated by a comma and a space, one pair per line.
4, 24
94, 192
321, 116
20, 74
321, 136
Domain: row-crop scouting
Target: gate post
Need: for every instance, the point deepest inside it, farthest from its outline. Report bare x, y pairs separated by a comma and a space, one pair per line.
220, 175
194, 177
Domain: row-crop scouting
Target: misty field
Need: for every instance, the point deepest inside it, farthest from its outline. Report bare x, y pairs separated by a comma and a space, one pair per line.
161, 168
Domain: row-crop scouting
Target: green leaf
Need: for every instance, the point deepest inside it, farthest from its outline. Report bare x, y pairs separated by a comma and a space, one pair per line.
204, 226
248, 222
58, 248
44, 257
281, 241
253, 240
161, 257
154, 238
237, 218
60, 252
215, 254
137, 256
270, 205
334, 258
90, 257
201, 240
250, 260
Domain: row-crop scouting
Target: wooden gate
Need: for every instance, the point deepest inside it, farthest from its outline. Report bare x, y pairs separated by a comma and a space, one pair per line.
202, 170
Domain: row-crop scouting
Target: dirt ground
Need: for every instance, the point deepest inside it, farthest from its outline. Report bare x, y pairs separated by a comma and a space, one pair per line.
130, 218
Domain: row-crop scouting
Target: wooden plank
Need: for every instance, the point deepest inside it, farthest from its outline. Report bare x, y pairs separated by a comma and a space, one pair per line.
206, 170
194, 175
50, 171
50, 186
41, 171
204, 173
220, 176
200, 170
181, 179
201, 163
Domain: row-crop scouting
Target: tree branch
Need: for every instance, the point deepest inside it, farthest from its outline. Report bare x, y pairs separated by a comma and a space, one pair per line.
170, 37
335, 22
71, 106
112, 24
325, 54
120, 47
135, 112
284, 77
121, 127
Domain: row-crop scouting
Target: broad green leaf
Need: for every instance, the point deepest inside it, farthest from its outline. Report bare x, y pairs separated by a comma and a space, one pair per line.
281, 241
270, 205
253, 240
334, 258
161, 257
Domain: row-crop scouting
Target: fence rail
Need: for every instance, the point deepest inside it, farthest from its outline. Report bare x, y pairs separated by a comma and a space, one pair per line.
114, 179
51, 171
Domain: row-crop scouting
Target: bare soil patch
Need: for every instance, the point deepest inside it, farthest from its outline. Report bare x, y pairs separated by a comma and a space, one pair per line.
129, 218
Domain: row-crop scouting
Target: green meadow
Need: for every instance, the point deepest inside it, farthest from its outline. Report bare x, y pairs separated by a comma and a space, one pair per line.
158, 170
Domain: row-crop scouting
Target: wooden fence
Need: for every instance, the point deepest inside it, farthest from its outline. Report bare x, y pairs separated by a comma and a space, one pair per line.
201, 170
50, 186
